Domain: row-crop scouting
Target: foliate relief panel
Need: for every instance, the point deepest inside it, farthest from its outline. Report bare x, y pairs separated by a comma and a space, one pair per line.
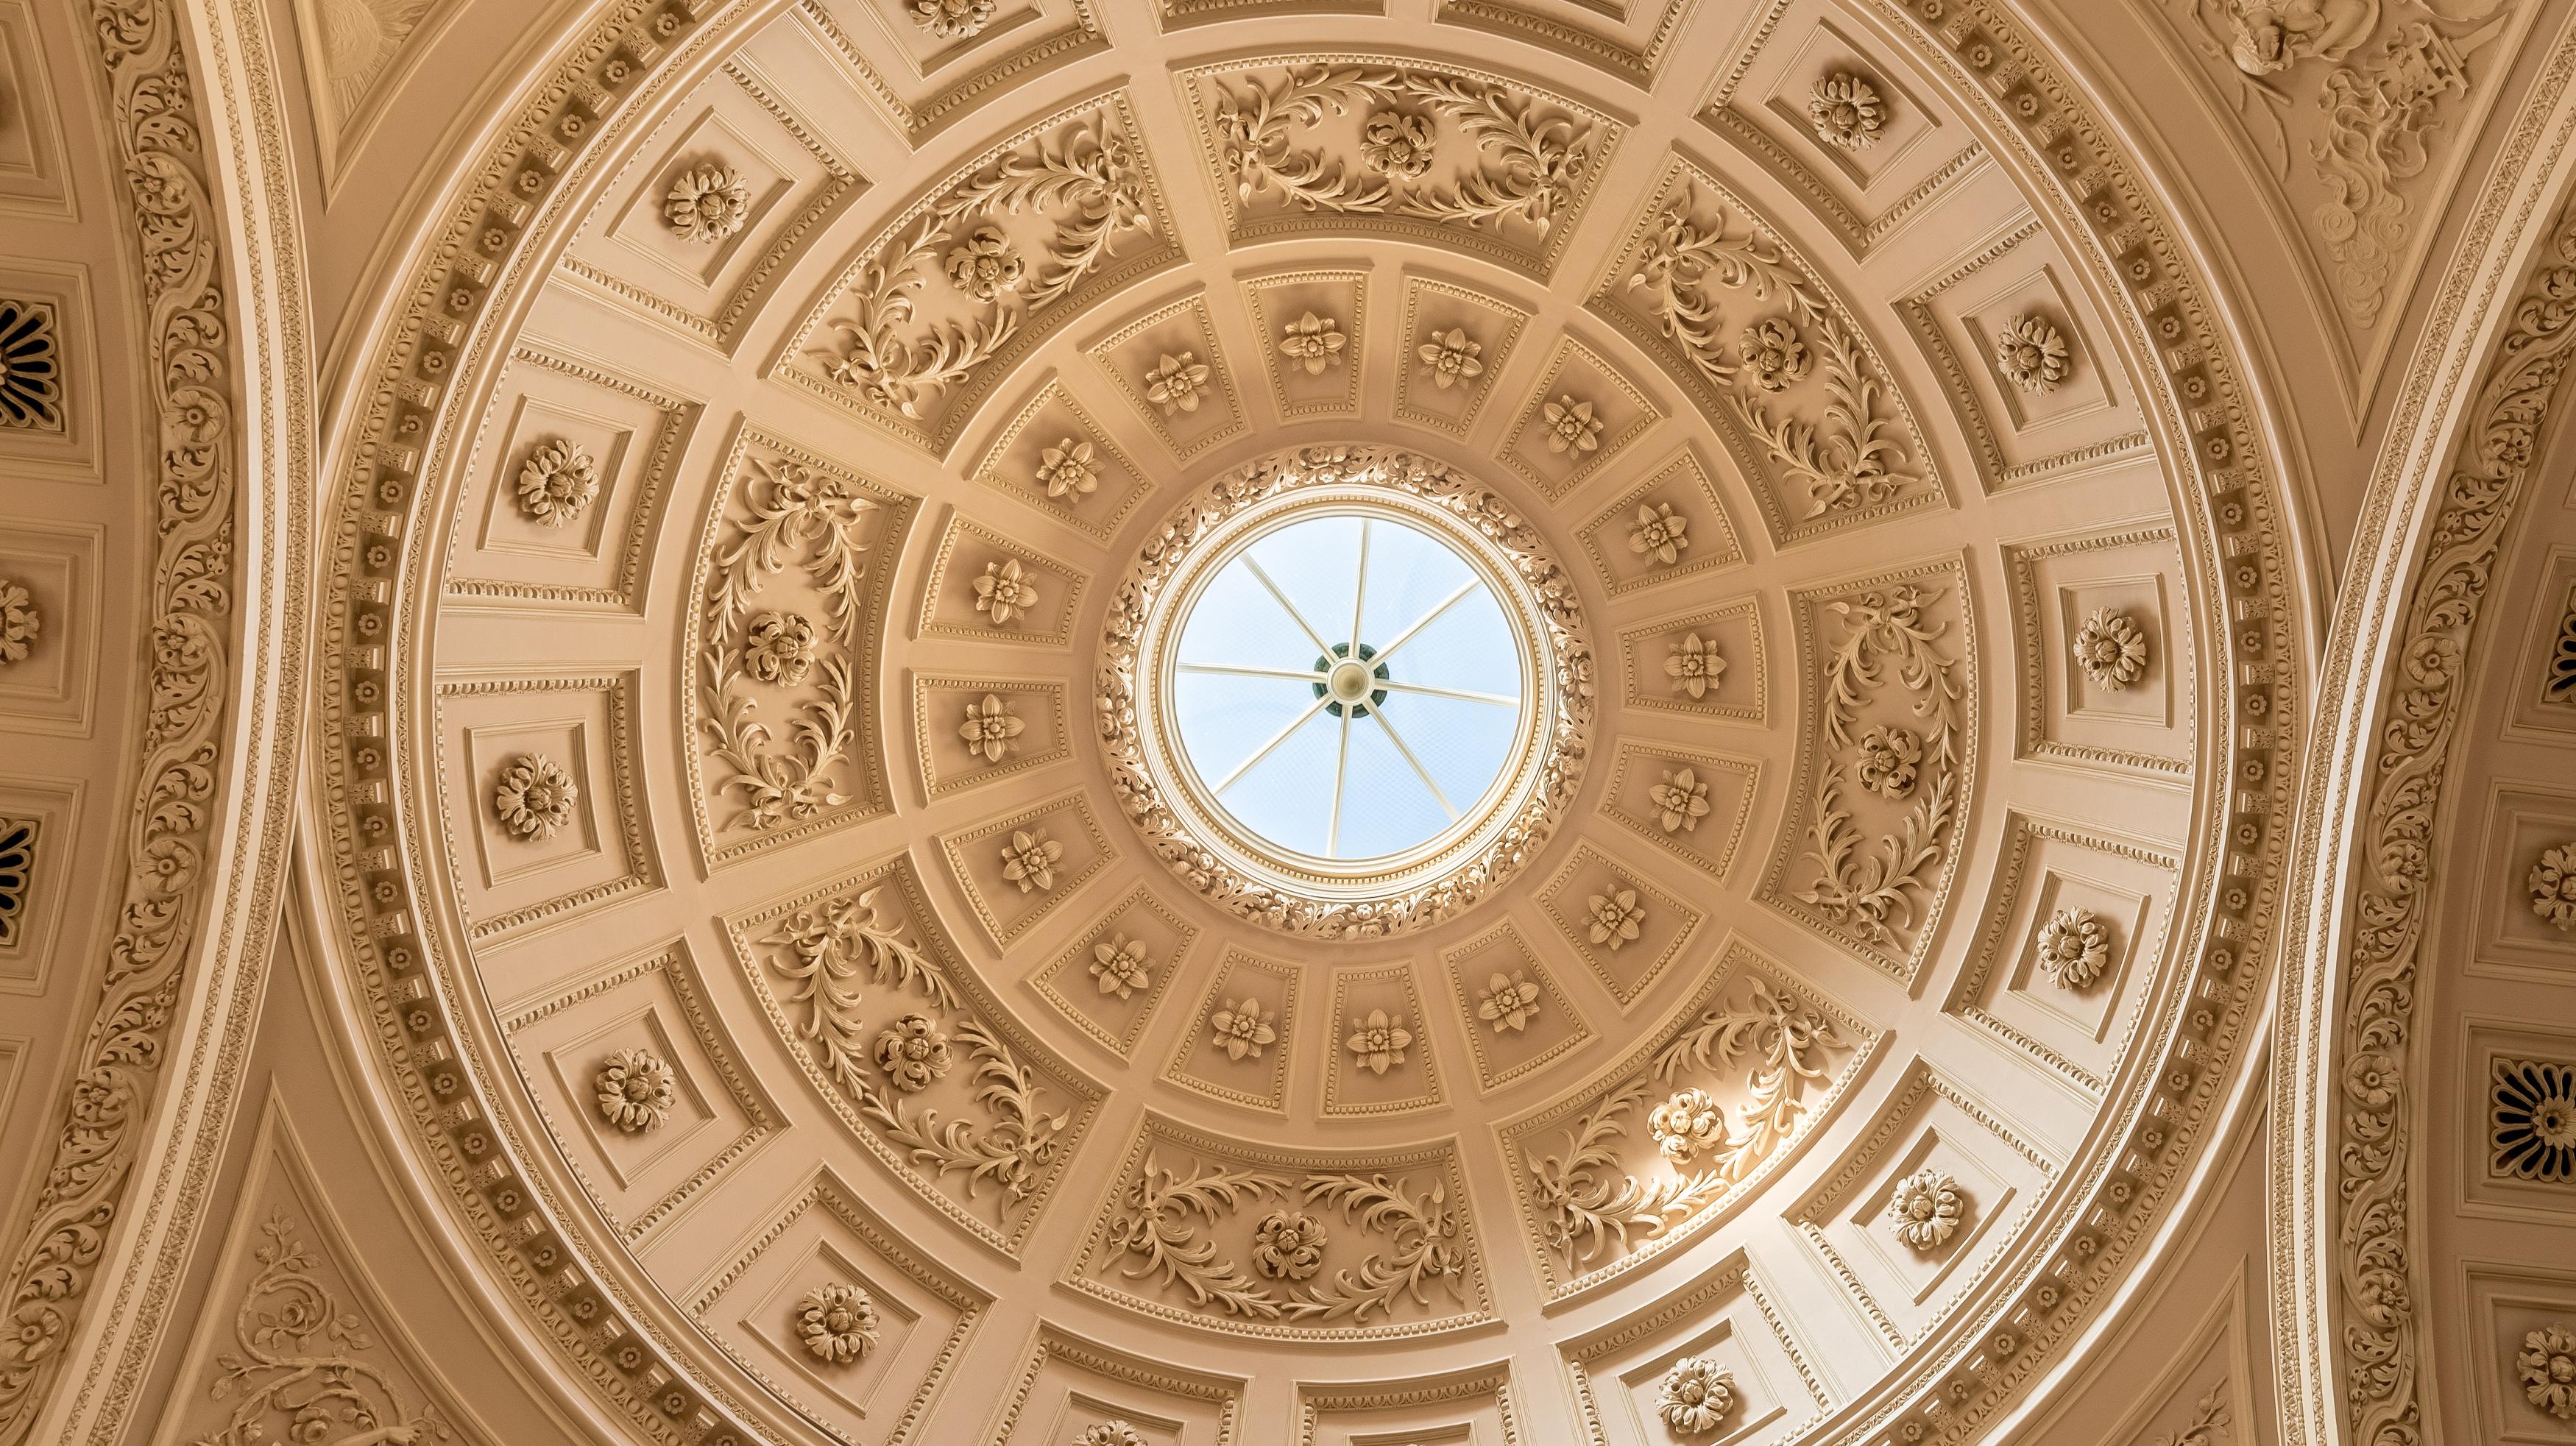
1871, 840
948, 1096
1288, 1244
966, 281
1688, 1123
789, 595
1802, 395
1382, 144
902, 1322
1714, 1363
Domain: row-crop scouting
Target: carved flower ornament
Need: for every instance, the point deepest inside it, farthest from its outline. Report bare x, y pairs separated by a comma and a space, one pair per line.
1690, 1121
1773, 354
912, 1052
1617, 918
1659, 533
2032, 354
557, 482
534, 797
1313, 342
1287, 1245
1029, 860
635, 1089
2547, 1368
953, 19
1004, 593
1178, 383
1377, 1042
1508, 1003
2553, 886
2074, 947
2532, 1119
1450, 357
779, 648
1109, 1433
1925, 1208
1890, 759
1067, 469
2111, 649
1681, 800
989, 728
1397, 143
985, 264
1571, 425
1240, 1030
1846, 111
19, 622
707, 203
1693, 665
1695, 1395
838, 1323
1119, 966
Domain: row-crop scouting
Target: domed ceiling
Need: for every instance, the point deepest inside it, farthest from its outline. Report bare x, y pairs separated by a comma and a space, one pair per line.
1708, 906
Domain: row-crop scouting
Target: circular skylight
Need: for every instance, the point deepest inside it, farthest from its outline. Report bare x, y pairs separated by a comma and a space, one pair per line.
1348, 689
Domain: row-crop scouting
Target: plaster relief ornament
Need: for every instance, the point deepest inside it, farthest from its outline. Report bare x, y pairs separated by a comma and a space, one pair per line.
2111, 648
1925, 1209
1508, 1003
1450, 357
1890, 759
2272, 35
635, 1089
1846, 111
985, 264
793, 519
912, 1052
1617, 918
707, 203
1397, 143
828, 954
557, 482
534, 797
1029, 860
2552, 882
1843, 453
1571, 425
1773, 355
1069, 469
1377, 1042
1589, 1200
1109, 1433
1695, 1395
2547, 1369
1288, 1246
1313, 342
1118, 966
1690, 1121
1527, 162
1681, 800
1694, 666
989, 728
1084, 188
31, 367
296, 1372
2032, 354
1240, 1030
1178, 383
1005, 593
953, 19
779, 648
20, 622
838, 1323
1875, 892
2074, 948
2531, 1119
1659, 533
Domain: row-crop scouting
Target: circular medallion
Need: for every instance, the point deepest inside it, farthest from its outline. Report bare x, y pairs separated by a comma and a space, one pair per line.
1346, 691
